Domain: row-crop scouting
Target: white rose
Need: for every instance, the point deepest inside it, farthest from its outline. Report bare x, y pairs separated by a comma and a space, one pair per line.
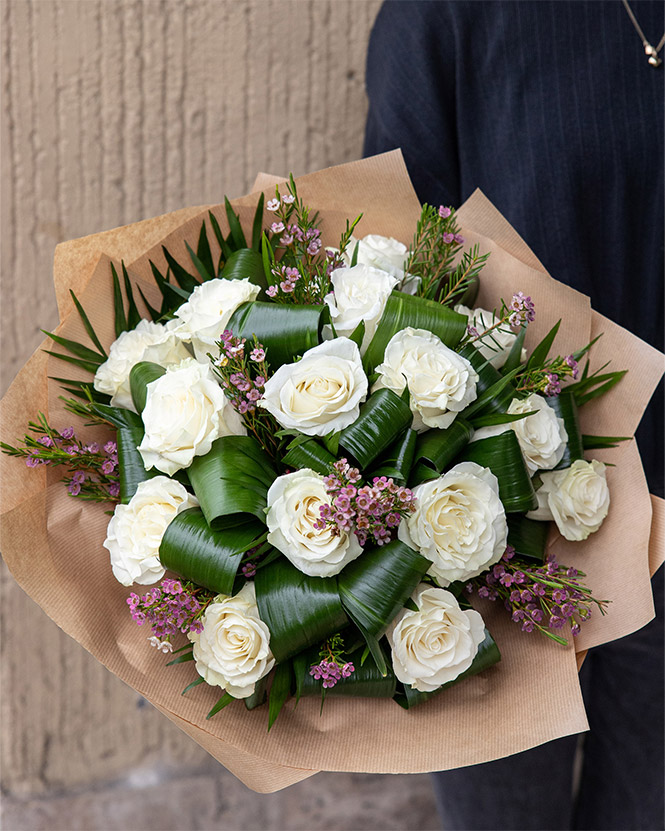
147, 342
387, 254
293, 513
204, 317
576, 498
459, 523
185, 412
542, 436
441, 382
437, 643
496, 346
135, 531
360, 293
233, 650
322, 392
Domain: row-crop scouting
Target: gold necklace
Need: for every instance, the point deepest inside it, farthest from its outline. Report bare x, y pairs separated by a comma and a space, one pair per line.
650, 51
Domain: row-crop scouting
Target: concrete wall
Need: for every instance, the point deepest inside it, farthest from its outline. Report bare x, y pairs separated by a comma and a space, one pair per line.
112, 111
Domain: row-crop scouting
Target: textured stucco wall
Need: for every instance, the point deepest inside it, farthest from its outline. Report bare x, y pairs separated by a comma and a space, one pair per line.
112, 111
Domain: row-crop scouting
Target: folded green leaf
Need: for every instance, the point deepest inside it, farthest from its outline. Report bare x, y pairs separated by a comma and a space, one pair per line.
375, 586
285, 331
203, 555
309, 454
493, 419
245, 263
382, 418
142, 374
565, 407
232, 480
502, 455
257, 225
403, 310
366, 680
436, 449
260, 694
528, 536
397, 461
299, 610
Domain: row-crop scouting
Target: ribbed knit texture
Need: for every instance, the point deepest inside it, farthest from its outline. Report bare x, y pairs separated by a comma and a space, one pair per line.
553, 111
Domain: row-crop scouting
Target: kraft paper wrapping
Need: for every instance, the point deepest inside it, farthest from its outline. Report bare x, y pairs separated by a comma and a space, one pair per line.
53, 543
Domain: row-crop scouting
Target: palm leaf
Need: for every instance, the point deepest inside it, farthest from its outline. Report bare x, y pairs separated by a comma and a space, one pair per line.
183, 278
257, 225
88, 326
237, 234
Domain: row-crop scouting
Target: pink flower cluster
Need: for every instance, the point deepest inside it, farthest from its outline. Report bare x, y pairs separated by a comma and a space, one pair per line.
330, 672
170, 609
371, 511
241, 381
522, 310
287, 277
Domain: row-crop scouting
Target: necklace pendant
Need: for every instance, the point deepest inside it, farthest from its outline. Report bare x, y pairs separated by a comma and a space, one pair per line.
654, 60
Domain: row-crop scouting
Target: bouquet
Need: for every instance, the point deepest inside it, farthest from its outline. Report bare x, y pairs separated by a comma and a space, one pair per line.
335, 470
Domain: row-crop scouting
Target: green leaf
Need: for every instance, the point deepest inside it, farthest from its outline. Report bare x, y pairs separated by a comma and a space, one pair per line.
382, 418
223, 244
260, 694
299, 610
493, 419
528, 536
285, 331
357, 335
366, 680
494, 390
183, 278
245, 263
565, 407
203, 252
594, 386
257, 225
118, 305
142, 374
540, 353
397, 461
133, 316
182, 659
404, 310
354, 256
375, 586
309, 454
514, 358
598, 442
224, 701
232, 480
198, 265
88, 356
88, 366
203, 555
502, 455
172, 296
237, 234
488, 654
267, 258
191, 686
88, 326
155, 314
279, 691
436, 449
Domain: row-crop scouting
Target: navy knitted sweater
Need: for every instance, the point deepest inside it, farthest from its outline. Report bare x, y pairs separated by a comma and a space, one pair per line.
553, 111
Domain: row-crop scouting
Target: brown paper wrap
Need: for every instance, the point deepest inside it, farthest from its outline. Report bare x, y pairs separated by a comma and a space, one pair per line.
53, 543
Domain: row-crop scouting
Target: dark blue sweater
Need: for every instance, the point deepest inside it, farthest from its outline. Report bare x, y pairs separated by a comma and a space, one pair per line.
553, 111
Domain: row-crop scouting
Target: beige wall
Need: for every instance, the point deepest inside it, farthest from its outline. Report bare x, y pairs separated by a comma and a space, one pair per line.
112, 111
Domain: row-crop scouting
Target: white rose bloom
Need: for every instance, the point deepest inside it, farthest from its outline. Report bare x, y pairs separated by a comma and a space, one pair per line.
135, 531
147, 342
387, 254
542, 436
293, 512
233, 650
185, 412
459, 523
204, 317
437, 643
360, 293
441, 382
494, 347
576, 498
322, 392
